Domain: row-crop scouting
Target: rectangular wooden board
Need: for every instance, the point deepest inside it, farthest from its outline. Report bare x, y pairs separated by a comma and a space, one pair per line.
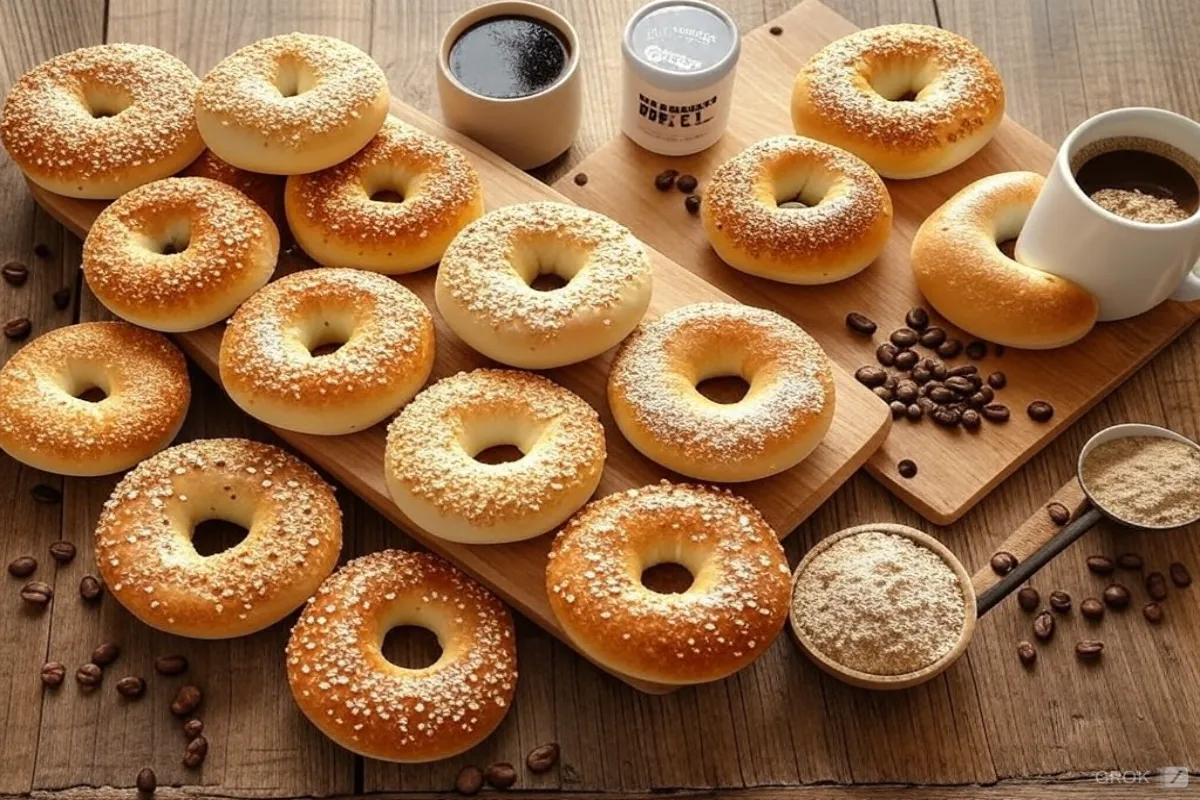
956, 468
516, 571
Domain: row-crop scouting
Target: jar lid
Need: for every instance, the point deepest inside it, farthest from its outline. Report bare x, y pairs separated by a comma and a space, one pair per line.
681, 44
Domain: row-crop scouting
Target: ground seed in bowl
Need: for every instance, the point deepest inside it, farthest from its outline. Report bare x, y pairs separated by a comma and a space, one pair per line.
1146, 480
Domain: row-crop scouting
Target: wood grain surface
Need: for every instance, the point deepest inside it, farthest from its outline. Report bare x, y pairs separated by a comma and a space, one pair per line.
986, 728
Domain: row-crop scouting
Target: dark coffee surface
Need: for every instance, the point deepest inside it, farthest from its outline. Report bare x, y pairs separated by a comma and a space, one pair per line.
1135, 169
508, 56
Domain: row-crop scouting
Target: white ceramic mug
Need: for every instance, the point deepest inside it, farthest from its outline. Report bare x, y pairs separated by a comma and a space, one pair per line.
527, 131
1129, 266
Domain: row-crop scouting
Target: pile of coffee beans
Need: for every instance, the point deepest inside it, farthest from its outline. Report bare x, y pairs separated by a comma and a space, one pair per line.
688, 184
16, 274
502, 775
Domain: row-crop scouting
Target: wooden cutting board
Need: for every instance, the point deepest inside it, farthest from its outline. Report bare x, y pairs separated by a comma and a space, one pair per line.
516, 571
956, 468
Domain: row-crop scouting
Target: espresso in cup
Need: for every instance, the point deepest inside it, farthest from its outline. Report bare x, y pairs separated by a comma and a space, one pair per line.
1137, 178
509, 56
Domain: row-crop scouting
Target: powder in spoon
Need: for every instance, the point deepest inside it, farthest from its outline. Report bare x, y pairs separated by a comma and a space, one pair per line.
879, 603
1146, 480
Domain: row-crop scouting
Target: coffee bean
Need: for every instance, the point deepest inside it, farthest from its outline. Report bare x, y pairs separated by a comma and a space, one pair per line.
1089, 650
939, 370
906, 360
500, 775
581, 179
61, 298
917, 318
932, 338
1180, 575
949, 348
1092, 608
971, 419
915, 412
946, 416
1153, 613
981, 398
926, 404
1003, 562
775, 30
42, 250
870, 376
1130, 561
187, 700
907, 468
898, 408
15, 273
45, 493
542, 758
942, 394
907, 391
1026, 653
195, 752
1028, 598
886, 353
997, 380
692, 203
883, 393
469, 781
106, 653
147, 782
1043, 626
976, 350
1040, 411
18, 328
995, 412
170, 665
90, 588
1156, 586
860, 323
1100, 565
53, 674
959, 384
131, 686
193, 727
687, 183
963, 371
1060, 601
1058, 514
22, 567
1116, 596
37, 593
62, 552
89, 676
665, 179
921, 375
903, 338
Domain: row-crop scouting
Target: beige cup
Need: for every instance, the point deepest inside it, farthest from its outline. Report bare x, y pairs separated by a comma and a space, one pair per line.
528, 131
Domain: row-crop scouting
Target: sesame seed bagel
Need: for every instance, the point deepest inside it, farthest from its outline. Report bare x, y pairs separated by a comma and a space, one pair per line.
144, 545
437, 483
337, 221
910, 100
348, 689
964, 275
292, 104
267, 359
99, 121
179, 254
842, 227
728, 617
784, 415
44, 422
265, 190
484, 282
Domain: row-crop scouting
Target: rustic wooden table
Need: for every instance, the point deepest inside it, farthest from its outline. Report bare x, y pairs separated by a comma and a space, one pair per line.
986, 728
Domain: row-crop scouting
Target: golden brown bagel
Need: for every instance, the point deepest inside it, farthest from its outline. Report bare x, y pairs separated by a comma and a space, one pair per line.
265, 190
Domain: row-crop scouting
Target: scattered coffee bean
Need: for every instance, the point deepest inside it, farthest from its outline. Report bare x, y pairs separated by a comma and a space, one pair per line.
1089, 650
22, 567
949, 348
147, 782
187, 700
581, 179
921, 375
959, 384
886, 354
1043, 626
15, 273
1028, 598
500, 775
469, 781
53, 674
89, 676
1092, 608
915, 412
981, 398
903, 338
90, 588
106, 653
687, 183
542, 758
962, 371
907, 392
906, 360
917, 318
870, 376
131, 687
939, 371
1153, 612
933, 338
1100, 565
940, 394
899, 409
997, 380
665, 179
45, 493
1058, 513
195, 752
1026, 653
692, 203
170, 665
1130, 561
1116, 596
37, 593
860, 323
775, 30
61, 298
42, 250
1180, 575
62, 552
907, 468
995, 412
1040, 411
883, 393
946, 416
976, 350
1003, 562
1060, 601
971, 419
193, 727
18, 328
1156, 586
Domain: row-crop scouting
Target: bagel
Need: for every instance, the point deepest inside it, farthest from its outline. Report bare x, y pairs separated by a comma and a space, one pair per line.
350, 691
784, 415
436, 481
733, 610
179, 254
265, 190
45, 421
964, 275
292, 104
144, 545
337, 220
99, 121
910, 100
843, 226
270, 361
484, 282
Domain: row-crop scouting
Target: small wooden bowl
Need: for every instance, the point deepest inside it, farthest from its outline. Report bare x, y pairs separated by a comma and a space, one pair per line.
867, 680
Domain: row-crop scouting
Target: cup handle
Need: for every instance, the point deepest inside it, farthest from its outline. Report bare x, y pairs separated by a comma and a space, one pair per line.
1189, 289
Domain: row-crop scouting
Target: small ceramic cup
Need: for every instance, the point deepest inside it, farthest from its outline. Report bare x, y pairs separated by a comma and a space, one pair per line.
1129, 266
527, 131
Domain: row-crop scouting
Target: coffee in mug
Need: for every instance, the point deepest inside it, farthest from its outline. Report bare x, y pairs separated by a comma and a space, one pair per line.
1141, 179
509, 56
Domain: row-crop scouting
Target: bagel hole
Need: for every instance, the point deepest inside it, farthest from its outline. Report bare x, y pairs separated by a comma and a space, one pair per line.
105, 103
387, 196
548, 282
907, 97
667, 578
724, 389
1008, 247
293, 78
548, 266
499, 454
330, 338
325, 349
212, 536
172, 241
411, 647
90, 394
